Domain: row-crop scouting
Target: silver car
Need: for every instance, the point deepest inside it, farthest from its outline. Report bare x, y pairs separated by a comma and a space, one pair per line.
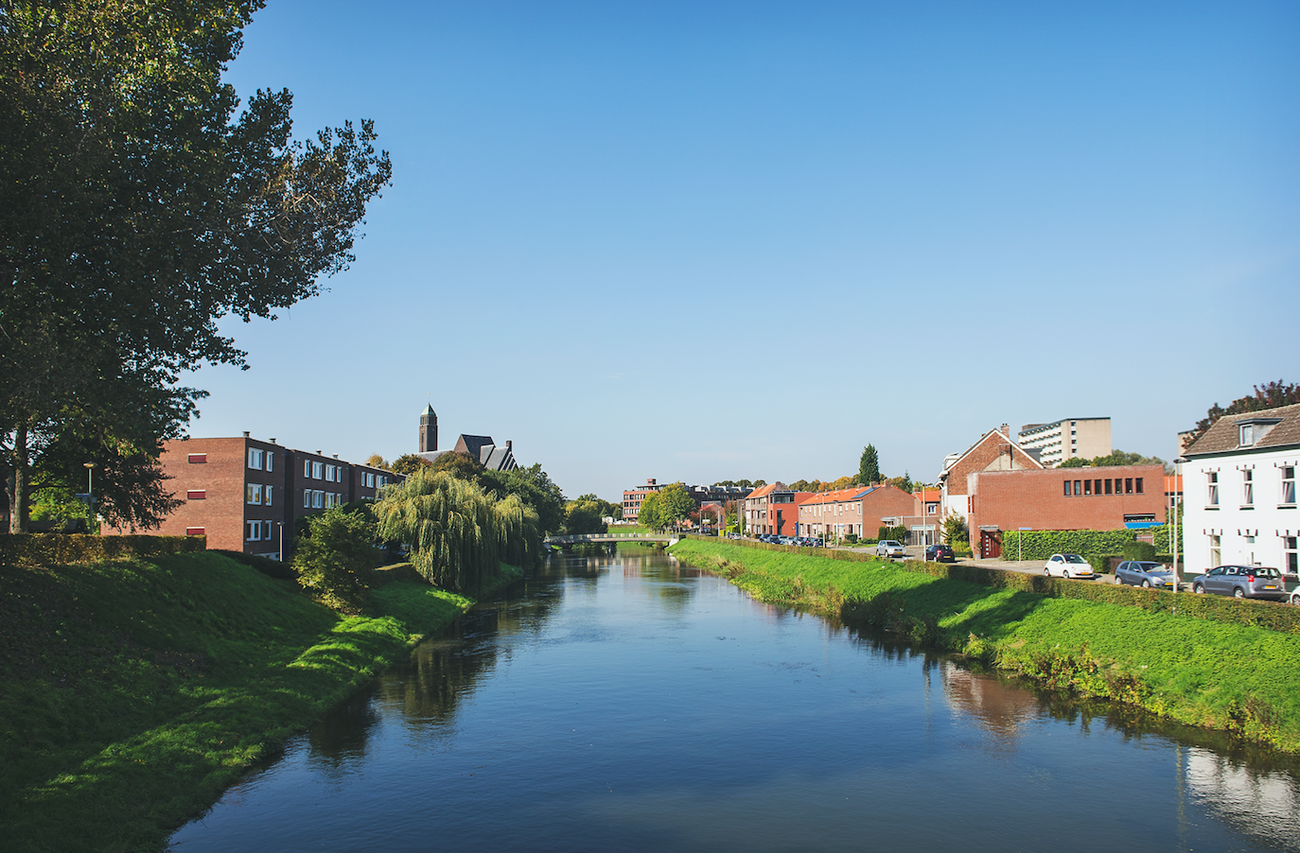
889, 548
1242, 582
1144, 573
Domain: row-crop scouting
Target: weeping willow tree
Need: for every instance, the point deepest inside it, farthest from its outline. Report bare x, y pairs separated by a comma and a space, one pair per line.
458, 534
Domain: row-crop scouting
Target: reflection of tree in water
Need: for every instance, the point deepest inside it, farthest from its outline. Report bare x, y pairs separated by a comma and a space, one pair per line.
426, 689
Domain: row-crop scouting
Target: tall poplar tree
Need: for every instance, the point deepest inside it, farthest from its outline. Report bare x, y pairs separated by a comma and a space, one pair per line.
136, 210
869, 466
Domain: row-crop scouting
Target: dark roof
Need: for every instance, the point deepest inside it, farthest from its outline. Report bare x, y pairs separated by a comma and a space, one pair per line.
1223, 436
473, 444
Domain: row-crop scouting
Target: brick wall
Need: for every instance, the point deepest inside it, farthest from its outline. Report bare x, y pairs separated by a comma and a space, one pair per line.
1036, 499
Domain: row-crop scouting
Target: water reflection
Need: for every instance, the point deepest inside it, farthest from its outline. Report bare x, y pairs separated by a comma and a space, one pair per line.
633, 704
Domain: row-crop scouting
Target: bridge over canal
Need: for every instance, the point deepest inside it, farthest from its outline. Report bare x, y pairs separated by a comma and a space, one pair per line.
611, 538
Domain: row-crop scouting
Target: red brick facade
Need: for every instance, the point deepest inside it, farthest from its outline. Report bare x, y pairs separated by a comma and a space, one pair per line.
1097, 498
244, 494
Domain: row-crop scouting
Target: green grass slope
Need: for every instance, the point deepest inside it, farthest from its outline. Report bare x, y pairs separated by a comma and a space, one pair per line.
136, 691
1236, 678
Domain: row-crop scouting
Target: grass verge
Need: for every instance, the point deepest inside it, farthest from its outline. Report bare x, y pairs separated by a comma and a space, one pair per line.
1240, 679
136, 691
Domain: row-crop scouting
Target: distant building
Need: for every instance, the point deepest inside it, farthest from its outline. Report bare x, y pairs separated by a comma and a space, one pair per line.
702, 495
773, 508
1239, 503
858, 511
481, 448
633, 498
1070, 438
242, 493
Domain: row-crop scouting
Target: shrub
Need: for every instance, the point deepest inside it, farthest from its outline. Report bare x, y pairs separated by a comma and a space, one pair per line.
1139, 551
334, 560
851, 538
60, 549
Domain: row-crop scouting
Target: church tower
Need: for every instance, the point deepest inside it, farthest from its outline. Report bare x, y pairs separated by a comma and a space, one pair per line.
428, 430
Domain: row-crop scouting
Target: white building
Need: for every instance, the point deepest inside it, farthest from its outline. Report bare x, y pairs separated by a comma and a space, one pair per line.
1239, 492
1069, 438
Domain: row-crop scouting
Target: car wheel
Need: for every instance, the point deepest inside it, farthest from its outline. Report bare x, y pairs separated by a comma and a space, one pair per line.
1238, 592
1198, 589
1146, 584
1066, 574
1047, 572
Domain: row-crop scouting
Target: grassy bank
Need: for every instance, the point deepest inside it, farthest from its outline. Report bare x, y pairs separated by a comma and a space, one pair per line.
1235, 678
135, 691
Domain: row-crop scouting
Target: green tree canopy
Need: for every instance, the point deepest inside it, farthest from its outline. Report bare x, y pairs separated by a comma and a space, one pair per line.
1115, 458
408, 463
1267, 396
137, 209
649, 514
675, 504
869, 466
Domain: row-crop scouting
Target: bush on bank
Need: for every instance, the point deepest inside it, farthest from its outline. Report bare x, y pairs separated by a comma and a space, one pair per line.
137, 690
1173, 654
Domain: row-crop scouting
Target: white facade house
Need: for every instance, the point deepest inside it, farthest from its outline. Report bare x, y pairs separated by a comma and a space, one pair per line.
1239, 492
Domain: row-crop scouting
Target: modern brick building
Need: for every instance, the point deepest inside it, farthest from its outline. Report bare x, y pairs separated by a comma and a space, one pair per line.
245, 494
773, 508
1068, 438
1063, 499
633, 498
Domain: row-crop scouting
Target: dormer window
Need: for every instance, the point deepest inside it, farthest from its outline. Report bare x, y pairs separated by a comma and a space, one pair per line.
1246, 435
1254, 430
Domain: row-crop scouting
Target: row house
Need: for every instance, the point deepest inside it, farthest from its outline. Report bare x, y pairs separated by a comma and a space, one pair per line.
858, 511
242, 493
773, 508
1239, 500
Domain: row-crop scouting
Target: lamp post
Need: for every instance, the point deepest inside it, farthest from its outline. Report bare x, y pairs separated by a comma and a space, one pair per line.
90, 494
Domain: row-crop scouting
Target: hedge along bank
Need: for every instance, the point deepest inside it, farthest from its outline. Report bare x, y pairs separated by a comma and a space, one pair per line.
1207, 661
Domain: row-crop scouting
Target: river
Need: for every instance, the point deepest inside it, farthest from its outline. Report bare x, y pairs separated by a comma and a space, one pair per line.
628, 703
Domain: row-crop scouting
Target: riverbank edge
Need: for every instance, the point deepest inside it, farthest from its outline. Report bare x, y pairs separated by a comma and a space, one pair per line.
135, 791
1182, 669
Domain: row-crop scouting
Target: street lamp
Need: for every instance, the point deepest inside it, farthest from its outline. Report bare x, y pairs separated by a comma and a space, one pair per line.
90, 494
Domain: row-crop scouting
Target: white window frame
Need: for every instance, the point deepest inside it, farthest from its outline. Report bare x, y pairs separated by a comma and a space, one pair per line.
1247, 487
253, 531
306, 498
253, 494
318, 470
266, 494
270, 457
1287, 494
255, 457
1212, 489
306, 469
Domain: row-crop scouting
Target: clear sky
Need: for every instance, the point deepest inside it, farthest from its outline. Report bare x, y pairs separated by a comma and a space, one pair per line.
721, 240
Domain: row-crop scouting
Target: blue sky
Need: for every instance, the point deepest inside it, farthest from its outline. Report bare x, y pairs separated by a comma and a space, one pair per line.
724, 240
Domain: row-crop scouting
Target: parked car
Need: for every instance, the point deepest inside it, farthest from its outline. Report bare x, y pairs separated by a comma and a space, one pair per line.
1242, 582
1144, 573
939, 554
889, 548
1068, 566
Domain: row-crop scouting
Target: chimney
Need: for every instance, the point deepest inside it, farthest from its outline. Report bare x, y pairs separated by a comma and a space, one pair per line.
245, 433
1006, 430
272, 440
510, 445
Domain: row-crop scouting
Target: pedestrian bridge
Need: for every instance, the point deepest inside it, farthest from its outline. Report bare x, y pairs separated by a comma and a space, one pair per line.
611, 538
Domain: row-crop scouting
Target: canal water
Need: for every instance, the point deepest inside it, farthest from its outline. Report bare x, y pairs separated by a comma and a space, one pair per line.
628, 703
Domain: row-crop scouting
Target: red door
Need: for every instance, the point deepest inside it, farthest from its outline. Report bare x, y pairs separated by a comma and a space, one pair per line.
990, 544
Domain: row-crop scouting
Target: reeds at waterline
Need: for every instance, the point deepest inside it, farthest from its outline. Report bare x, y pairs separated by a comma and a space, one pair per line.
458, 533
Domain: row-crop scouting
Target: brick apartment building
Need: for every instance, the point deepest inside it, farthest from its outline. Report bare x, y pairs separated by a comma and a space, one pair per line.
1064, 499
773, 508
245, 494
1068, 438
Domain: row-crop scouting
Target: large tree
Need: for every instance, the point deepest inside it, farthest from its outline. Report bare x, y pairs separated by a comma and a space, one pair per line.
869, 466
137, 209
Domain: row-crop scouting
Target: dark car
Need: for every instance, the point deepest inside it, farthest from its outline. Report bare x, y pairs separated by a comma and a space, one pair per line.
939, 554
1144, 573
1242, 582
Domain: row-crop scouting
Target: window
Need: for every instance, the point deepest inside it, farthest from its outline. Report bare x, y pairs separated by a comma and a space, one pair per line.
266, 495
253, 493
306, 498
1212, 488
306, 468
1246, 435
198, 458
1290, 556
270, 465
1138, 485
197, 495
267, 528
1128, 485
1247, 488
1067, 488
254, 531
317, 499
318, 470
1216, 551
1288, 485
1108, 484
196, 531
1077, 488
1087, 487
329, 472
1096, 487
255, 458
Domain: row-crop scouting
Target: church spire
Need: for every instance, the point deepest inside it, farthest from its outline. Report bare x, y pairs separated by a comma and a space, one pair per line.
428, 430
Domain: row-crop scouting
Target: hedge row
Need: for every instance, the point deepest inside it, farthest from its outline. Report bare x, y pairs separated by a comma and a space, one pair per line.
1213, 608
60, 549
1042, 544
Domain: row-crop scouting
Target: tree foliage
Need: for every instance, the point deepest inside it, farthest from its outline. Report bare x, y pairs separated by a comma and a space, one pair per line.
1114, 459
137, 209
674, 505
408, 463
955, 530
869, 466
1267, 396
458, 534
377, 461
335, 556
